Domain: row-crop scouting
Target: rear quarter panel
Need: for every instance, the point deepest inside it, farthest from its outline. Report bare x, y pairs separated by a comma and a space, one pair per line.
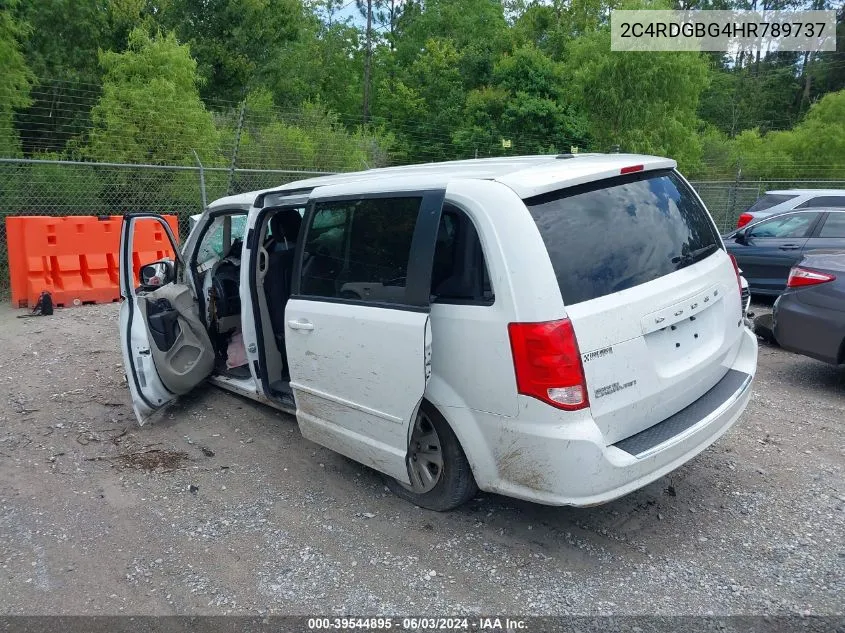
810, 320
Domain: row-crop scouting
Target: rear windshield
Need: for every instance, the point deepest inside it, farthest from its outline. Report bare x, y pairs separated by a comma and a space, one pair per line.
619, 233
769, 200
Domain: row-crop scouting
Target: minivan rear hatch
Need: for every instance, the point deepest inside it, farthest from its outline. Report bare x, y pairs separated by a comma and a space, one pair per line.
652, 295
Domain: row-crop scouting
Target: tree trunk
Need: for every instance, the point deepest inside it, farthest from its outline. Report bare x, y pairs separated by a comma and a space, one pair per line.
368, 60
392, 25
805, 72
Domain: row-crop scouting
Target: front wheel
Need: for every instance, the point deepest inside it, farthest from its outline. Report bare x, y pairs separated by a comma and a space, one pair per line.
441, 478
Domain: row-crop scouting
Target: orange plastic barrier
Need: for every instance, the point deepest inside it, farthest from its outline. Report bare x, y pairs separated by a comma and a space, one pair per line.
75, 258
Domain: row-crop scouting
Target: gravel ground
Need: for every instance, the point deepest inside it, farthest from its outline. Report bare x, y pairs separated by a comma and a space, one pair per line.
223, 508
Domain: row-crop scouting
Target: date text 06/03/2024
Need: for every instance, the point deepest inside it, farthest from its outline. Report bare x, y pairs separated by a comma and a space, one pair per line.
464, 624
419, 624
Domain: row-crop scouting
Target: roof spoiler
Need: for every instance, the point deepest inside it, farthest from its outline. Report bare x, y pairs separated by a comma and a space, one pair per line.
259, 200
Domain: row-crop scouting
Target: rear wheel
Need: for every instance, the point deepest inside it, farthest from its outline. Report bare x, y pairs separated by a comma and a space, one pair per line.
441, 478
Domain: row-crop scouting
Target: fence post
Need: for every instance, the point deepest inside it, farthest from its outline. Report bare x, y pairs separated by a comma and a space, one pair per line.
733, 196
236, 148
202, 180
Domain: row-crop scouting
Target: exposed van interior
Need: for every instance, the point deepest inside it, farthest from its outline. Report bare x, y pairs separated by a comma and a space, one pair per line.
216, 269
277, 239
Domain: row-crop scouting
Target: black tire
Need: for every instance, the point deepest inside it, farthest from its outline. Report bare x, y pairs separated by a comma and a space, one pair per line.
456, 484
764, 328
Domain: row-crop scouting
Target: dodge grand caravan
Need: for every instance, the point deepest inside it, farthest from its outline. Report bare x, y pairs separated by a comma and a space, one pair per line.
561, 329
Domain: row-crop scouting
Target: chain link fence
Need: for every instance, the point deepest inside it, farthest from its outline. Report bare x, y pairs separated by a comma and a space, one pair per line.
60, 188
727, 199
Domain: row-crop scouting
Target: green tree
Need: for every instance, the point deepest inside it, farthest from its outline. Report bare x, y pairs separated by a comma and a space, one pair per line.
528, 103
150, 109
643, 102
307, 138
475, 29
426, 104
325, 63
150, 112
765, 95
815, 148
552, 24
15, 78
236, 42
61, 50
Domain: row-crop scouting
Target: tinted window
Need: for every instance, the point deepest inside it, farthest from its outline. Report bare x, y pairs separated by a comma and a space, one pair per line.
616, 234
837, 202
785, 226
359, 249
446, 251
834, 226
459, 274
301, 212
770, 200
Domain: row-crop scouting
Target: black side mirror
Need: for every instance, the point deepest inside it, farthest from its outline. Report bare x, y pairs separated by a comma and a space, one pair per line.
157, 274
741, 236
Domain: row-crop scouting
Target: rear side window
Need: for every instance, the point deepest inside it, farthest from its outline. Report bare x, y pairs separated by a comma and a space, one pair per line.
837, 202
459, 273
619, 233
770, 200
834, 226
359, 249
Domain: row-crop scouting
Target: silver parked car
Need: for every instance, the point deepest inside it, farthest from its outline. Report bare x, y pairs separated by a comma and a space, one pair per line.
773, 202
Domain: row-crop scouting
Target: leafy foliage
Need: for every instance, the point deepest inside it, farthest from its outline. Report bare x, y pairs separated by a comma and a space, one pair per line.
311, 139
150, 81
643, 102
815, 148
15, 78
150, 110
236, 42
62, 50
528, 104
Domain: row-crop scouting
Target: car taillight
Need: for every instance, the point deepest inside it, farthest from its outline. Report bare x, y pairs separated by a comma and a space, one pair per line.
744, 219
738, 275
547, 363
799, 277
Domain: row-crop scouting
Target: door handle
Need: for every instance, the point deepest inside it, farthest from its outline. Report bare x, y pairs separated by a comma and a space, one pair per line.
301, 325
789, 247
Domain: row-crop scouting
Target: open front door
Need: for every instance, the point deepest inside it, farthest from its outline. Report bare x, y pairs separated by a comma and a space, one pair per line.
166, 349
357, 326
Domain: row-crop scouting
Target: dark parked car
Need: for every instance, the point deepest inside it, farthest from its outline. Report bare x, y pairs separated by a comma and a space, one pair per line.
766, 250
809, 317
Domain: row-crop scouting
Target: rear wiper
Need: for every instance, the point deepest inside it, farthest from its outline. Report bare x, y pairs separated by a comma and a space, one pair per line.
691, 257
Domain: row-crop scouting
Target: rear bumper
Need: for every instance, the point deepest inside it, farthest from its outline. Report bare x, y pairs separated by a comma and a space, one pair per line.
810, 330
568, 463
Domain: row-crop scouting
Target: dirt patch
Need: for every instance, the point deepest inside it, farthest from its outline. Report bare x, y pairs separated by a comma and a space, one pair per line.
153, 459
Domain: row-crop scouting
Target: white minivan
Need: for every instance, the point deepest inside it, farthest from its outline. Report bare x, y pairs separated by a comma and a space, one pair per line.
562, 329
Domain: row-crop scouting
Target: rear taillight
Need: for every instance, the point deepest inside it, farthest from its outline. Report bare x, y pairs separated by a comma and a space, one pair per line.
547, 363
799, 277
738, 275
744, 219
